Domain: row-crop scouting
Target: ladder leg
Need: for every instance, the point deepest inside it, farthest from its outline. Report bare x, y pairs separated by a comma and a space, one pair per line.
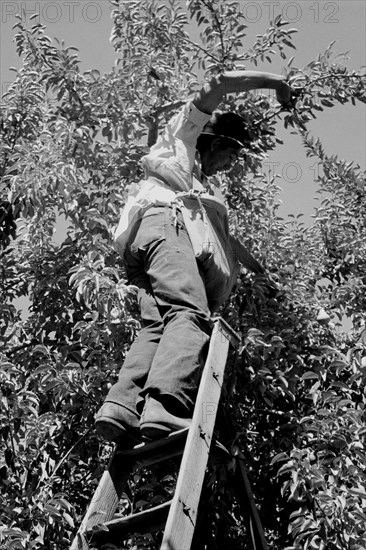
245, 494
182, 516
255, 525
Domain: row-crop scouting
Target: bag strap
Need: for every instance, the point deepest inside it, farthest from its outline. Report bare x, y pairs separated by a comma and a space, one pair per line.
193, 194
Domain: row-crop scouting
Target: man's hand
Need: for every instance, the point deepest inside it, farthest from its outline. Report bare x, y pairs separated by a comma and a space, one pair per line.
284, 95
270, 286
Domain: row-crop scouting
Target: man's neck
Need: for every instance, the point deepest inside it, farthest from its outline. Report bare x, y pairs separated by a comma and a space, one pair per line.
198, 171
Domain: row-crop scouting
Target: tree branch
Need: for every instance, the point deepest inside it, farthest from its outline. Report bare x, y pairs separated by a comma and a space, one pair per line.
202, 49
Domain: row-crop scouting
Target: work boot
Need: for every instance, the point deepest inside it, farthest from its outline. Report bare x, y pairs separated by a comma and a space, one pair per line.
157, 422
117, 423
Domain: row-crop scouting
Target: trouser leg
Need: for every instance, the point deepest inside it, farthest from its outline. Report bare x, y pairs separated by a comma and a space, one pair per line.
133, 374
180, 296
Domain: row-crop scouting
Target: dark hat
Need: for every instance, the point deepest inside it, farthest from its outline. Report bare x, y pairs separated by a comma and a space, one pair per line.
229, 126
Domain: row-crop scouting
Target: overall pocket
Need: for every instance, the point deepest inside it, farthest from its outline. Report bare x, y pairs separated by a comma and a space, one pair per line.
151, 228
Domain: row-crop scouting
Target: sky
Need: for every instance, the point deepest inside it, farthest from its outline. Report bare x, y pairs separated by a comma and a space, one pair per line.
87, 25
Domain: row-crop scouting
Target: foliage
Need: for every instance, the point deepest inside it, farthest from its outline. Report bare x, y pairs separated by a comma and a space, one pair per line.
72, 143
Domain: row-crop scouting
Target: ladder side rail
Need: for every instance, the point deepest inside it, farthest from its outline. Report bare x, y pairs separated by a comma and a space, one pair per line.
80, 542
105, 500
183, 511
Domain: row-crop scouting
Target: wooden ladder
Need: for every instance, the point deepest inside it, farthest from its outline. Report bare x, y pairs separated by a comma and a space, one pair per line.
177, 517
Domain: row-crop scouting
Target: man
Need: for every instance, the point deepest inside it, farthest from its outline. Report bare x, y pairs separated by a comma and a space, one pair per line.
179, 287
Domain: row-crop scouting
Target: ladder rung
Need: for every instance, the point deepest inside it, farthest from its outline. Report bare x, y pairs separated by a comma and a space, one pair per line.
143, 522
146, 454
227, 331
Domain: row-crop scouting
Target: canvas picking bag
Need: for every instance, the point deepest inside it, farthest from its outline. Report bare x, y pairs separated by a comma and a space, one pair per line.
205, 218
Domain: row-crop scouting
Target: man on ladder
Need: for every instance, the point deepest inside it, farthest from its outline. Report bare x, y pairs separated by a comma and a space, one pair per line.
173, 236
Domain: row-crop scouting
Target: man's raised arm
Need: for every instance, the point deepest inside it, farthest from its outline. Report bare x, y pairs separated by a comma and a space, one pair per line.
234, 82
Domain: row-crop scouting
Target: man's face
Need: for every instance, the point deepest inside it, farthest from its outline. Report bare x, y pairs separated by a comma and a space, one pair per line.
218, 158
